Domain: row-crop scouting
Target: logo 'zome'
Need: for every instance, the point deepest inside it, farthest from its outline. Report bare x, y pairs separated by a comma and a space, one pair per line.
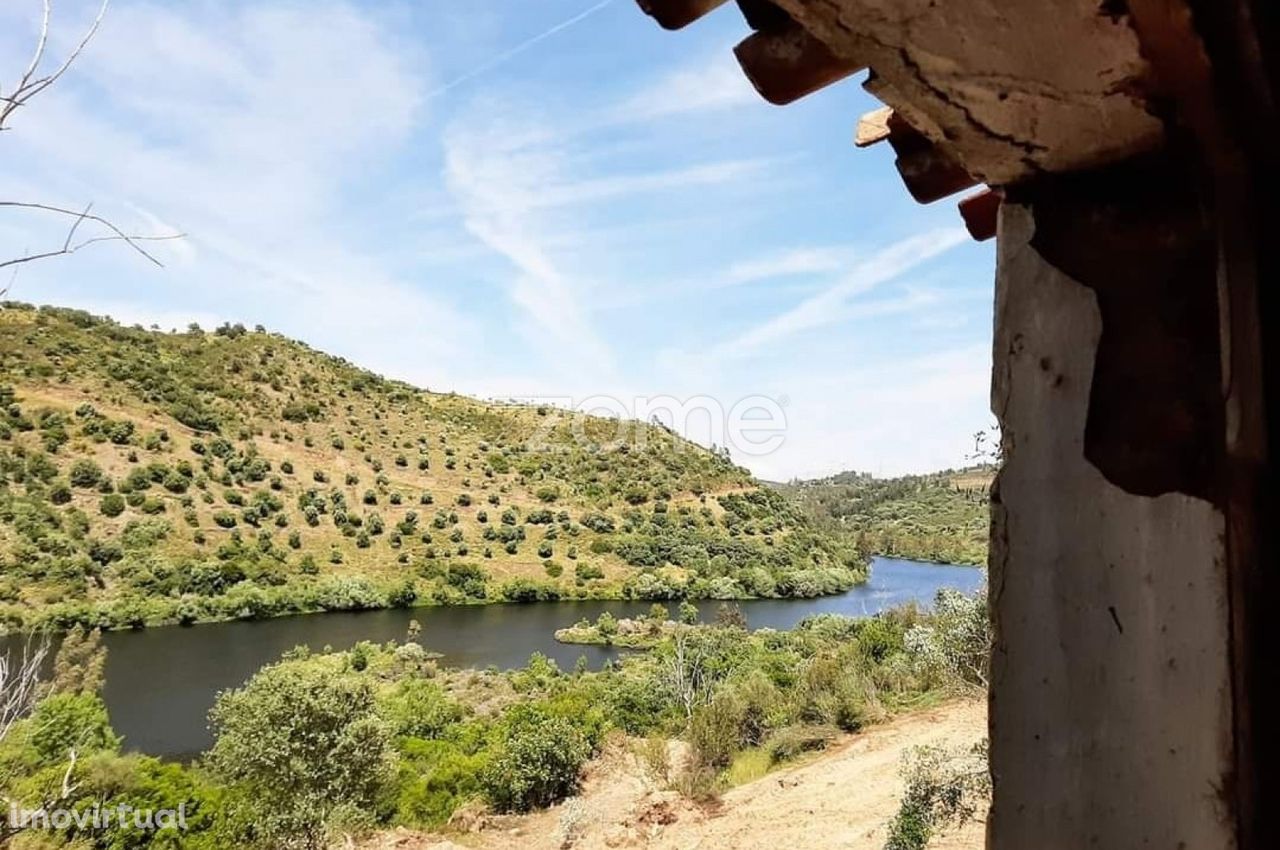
754, 425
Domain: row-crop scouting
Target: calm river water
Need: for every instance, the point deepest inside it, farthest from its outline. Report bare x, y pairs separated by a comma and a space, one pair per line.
160, 683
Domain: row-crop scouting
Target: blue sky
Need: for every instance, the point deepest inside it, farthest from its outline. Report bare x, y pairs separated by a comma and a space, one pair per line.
511, 198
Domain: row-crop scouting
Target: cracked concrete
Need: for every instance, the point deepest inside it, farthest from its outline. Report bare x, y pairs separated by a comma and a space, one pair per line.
1009, 88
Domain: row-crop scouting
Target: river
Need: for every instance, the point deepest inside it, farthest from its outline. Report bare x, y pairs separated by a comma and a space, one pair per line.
161, 682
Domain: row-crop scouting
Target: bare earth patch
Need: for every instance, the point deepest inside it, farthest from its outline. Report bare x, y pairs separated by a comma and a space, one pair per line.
841, 799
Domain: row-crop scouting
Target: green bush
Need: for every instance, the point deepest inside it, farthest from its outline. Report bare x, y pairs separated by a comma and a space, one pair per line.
302, 743
111, 505
536, 761
419, 708
85, 473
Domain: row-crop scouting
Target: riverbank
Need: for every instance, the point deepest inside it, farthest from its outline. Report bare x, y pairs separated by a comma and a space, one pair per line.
345, 595
843, 797
161, 682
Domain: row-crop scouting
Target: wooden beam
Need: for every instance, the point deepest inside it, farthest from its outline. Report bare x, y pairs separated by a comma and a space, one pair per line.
677, 14
787, 64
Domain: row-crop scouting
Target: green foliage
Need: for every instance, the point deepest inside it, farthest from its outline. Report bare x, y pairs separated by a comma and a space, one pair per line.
536, 762
111, 505
303, 744
85, 473
64, 722
419, 708
943, 517
944, 788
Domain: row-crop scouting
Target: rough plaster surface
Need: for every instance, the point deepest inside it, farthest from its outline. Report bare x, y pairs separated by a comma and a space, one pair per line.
1110, 699
1010, 88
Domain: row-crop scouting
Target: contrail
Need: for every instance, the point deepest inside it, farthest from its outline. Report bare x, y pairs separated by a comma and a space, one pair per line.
518, 49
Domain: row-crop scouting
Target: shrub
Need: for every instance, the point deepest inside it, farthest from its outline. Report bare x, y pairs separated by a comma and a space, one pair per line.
70, 721
111, 505
536, 761
301, 742
945, 787
85, 473
419, 708
587, 572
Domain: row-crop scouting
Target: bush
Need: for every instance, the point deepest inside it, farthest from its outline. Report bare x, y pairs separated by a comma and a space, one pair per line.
111, 505
793, 741
945, 787
85, 473
66, 721
419, 708
536, 761
301, 743
713, 732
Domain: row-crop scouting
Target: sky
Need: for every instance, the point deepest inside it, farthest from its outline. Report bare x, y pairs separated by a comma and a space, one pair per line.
512, 199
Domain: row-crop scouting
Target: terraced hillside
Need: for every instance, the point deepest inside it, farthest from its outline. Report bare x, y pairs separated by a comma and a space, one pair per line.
151, 477
943, 516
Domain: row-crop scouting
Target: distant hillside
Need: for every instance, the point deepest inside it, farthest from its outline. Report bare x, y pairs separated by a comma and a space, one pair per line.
943, 516
179, 477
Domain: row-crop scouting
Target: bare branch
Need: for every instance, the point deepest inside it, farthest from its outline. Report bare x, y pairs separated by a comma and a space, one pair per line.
34, 64
66, 243
117, 235
29, 85
20, 680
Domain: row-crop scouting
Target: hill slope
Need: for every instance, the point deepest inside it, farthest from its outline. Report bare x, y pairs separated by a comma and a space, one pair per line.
151, 477
842, 798
942, 516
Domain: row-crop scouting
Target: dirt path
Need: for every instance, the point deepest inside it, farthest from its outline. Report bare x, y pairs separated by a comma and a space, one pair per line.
839, 801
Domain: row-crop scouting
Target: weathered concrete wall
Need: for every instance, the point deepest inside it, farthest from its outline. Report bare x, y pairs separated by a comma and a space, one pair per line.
1110, 696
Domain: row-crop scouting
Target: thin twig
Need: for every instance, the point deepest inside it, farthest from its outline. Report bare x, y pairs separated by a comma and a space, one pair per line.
29, 85
119, 235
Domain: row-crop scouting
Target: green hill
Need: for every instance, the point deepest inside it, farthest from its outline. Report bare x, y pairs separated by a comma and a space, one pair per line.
150, 477
942, 516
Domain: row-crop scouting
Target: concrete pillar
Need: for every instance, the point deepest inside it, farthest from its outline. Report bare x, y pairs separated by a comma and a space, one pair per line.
1111, 707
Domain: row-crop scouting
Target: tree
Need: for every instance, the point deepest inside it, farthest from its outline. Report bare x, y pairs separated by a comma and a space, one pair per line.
303, 744
730, 616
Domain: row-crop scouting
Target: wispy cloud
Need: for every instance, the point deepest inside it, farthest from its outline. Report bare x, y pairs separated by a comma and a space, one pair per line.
523, 191
827, 305
708, 84
510, 53
792, 263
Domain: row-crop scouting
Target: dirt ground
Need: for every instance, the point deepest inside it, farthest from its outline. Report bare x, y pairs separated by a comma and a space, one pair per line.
840, 800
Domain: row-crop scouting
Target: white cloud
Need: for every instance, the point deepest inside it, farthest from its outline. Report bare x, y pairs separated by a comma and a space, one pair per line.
520, 189
792, 263
828, 305
708, 84
892, 417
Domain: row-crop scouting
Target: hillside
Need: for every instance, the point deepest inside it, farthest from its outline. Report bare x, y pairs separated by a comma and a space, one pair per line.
844, 797
150, 477
943, 516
